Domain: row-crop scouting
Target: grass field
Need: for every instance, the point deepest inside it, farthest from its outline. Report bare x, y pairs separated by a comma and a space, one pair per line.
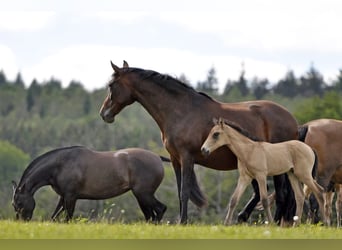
83, 230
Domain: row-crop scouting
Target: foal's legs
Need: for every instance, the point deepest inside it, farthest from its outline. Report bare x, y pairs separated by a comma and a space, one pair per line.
318, 191
299, 195
243, 182
262, 182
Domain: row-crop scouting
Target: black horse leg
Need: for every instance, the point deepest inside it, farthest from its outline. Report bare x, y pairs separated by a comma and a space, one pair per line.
248, 209
178, 173
59, 208
285, 202
69, 206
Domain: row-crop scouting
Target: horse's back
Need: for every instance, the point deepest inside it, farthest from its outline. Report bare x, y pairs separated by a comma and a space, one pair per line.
271, 121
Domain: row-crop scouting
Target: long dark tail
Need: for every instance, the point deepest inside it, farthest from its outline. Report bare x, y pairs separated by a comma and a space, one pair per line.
196, 195
314, 169
164, 159
302, 131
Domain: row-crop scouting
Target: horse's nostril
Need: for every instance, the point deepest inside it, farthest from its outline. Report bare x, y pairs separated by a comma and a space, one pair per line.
204, 151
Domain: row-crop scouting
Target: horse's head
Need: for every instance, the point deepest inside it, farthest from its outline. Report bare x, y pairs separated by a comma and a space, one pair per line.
22, 202
215, 139
119, 94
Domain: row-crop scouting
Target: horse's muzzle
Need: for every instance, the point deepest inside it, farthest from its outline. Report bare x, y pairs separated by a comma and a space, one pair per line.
205, 152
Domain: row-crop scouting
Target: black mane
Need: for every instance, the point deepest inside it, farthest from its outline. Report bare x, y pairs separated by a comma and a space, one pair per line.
41, 157
164, 79
241, 130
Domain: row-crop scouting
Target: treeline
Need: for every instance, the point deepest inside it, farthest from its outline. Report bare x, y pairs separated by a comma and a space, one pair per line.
40, 116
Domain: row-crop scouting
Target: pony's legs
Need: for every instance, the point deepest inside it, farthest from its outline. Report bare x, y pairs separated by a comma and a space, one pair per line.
247, 210
328, 200
69, 206
262, 182
299, 195
338, 203
243, 182
58, 210
319, 194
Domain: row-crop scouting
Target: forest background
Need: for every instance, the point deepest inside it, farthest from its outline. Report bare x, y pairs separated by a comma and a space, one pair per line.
39, 116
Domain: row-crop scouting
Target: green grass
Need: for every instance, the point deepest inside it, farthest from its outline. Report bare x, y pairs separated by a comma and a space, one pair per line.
83, 230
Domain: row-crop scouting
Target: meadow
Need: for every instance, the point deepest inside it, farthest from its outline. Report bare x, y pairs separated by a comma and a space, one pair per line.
10, 229
42, 235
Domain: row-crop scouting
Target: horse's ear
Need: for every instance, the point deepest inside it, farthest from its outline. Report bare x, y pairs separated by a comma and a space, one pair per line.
115, 68
125, 64
14, 185
215, 121
221, 122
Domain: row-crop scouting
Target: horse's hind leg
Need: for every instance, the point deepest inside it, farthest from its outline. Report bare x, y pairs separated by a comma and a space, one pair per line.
264, 197
160, 209
59, 208
338, 203
145, 201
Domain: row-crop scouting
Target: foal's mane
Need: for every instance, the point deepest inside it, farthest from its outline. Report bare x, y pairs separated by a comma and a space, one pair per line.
241, 130
163, 79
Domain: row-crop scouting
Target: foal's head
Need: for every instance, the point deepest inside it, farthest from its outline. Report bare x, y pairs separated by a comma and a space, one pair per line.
216, 138
22, 202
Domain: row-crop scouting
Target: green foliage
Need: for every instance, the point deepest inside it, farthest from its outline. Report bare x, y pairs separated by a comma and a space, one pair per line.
329, 106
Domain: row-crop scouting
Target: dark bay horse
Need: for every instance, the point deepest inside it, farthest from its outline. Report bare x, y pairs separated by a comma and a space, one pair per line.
257, 160
184, 117
325, 137
80, 173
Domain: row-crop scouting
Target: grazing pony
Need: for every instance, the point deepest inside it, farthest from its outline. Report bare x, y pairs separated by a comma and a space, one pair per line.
325, 137
257, 160
80, 173
174, 105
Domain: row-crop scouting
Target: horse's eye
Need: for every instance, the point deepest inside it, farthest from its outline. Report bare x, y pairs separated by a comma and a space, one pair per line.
216, 135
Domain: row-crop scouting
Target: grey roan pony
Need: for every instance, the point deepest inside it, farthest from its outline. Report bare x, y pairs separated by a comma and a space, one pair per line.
80, 173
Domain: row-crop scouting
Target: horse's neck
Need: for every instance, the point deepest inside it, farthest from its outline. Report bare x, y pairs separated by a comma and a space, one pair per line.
166, 108
35, 179
238, 143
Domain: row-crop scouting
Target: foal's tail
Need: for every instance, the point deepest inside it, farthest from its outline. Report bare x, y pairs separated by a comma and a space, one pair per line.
164, 159
302, 131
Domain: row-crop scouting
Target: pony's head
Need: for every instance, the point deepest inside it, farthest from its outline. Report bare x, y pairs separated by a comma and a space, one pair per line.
215, 139
22, 202
119, 95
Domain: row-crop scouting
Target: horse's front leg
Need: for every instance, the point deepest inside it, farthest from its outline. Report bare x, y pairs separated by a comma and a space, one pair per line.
243, 182
187, 167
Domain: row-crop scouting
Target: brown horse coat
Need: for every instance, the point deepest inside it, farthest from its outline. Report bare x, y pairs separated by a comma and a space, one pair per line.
184, 117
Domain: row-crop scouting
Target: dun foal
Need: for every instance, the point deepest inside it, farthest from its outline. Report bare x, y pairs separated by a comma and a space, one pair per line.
257, 160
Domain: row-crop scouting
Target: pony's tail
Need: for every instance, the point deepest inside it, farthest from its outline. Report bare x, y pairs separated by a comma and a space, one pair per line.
314, 169
164, 159
302, 131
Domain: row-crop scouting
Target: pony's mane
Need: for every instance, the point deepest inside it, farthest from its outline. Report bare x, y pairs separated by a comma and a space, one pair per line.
165, 79
43, 156
241, 130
